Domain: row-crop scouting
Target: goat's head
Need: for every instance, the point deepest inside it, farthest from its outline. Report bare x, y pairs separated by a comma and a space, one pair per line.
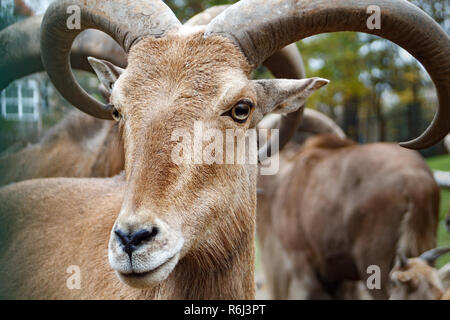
184, 209
177, 76
417, 278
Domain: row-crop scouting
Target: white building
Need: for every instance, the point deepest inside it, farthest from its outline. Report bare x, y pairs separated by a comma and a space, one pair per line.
20, 101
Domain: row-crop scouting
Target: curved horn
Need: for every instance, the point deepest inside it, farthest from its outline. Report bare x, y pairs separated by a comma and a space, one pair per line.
286, 63
260, 28
20, 50
432, 255
126, 21
317, 123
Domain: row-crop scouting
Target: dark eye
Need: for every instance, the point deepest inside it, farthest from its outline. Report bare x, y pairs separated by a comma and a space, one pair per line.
114, 112
116, 115
241, 111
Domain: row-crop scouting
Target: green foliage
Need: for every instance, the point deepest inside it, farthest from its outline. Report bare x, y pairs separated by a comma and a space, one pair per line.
185, 9
336, 55
439, 162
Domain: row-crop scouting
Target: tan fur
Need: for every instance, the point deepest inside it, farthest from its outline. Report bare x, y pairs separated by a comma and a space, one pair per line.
446, 295
78, 146
337, 207
444, 275
53, 223
76, 232
416, 281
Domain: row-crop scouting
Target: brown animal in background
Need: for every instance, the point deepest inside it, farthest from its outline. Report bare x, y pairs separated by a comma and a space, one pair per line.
417, 278
444, 275
78, 146
184, 230
336, 208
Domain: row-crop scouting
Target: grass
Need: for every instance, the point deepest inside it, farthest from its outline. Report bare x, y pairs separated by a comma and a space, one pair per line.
439, 162
442, 163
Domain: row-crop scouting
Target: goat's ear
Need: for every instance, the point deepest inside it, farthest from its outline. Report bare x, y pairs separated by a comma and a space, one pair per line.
106, 72
284, 95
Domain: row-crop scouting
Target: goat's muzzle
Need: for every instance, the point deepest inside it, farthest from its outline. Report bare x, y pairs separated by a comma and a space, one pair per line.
144, 256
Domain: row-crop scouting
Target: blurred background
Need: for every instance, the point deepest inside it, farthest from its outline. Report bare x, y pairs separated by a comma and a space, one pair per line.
378, 92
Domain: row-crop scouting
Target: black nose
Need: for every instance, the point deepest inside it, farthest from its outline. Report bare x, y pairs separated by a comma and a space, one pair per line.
132, 241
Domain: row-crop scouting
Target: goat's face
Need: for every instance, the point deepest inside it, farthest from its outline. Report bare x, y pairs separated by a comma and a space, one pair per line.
416, 280
175, 210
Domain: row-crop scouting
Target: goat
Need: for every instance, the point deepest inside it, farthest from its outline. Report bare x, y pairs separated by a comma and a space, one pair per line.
80, 145
182, 230
337, 207
417, 278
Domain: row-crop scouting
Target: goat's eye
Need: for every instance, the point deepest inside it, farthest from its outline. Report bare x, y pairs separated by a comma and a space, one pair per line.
115, 113
241, 111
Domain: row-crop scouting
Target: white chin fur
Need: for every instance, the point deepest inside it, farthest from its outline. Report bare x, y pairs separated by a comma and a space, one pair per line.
151, 278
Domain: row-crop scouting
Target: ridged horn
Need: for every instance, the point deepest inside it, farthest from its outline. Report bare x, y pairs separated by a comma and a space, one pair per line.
286, 63
126, 21
432, 255
260, 28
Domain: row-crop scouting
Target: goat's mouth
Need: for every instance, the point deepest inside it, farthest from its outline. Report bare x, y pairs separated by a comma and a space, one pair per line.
145, 279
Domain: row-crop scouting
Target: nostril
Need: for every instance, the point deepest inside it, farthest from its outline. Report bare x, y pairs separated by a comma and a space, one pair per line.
130, 241
143, 235
123, 237
154, 232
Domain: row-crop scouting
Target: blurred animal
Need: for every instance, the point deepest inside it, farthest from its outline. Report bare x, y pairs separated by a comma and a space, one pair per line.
335, 208
444, 275
78, 146
446, 295
418, 279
